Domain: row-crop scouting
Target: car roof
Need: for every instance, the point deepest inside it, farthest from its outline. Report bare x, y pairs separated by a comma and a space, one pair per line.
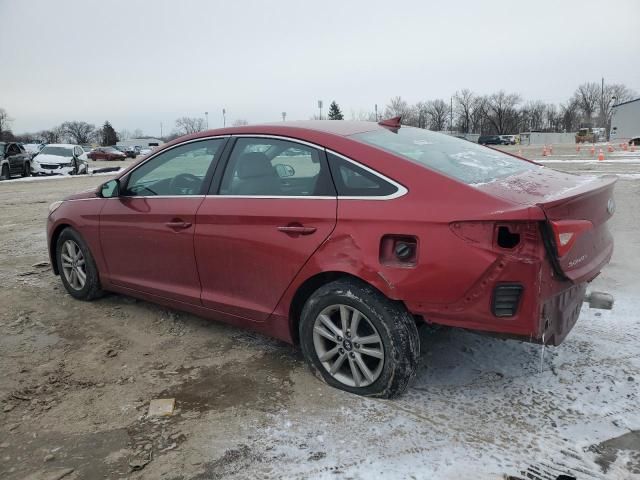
70, 145
341, 128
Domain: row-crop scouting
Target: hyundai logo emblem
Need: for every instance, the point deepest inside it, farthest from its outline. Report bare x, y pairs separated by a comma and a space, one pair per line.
611, 206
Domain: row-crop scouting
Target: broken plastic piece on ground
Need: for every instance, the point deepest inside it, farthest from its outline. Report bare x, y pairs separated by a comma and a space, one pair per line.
161, 407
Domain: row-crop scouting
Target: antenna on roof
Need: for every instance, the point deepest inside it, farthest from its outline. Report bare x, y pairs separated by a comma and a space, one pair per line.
391, 122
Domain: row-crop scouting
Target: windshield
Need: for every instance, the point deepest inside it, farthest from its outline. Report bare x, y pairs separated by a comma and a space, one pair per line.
463, 160
57, 151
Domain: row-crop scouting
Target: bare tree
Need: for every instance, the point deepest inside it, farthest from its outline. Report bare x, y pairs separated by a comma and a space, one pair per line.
588, 96
5, 121
533, 116
570, 113
79, 132
187, 125
137, 133
465, 104
124, 134
500, 111
363, 115
398, 107
54, 135
438, 112
240, 122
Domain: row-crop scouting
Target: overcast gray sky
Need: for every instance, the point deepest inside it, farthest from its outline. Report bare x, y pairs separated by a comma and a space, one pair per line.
139, 63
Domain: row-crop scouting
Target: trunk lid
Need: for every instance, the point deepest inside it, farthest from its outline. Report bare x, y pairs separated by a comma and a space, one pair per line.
577, 209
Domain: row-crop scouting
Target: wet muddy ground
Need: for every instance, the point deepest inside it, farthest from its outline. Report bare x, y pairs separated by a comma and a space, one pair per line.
76, 380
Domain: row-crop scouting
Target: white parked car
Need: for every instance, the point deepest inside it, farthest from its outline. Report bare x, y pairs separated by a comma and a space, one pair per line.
146, 150
60, 159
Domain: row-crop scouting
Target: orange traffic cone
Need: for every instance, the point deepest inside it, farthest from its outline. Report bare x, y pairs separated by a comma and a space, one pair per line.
578, 147
593, 149
609, 148
601, 155
544, 151
624, 147
550, 149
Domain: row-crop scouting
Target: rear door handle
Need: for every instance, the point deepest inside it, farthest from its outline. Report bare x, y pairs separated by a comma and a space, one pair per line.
178, 225
297, 229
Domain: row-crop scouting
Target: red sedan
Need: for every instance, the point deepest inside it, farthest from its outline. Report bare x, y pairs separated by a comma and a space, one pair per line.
106, 153
342, 237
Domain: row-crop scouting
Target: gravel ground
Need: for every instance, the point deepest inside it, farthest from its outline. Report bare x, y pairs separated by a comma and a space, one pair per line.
76, 380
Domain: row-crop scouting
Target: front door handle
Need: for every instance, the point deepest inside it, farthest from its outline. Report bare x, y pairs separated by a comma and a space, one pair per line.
297, 229
178, 225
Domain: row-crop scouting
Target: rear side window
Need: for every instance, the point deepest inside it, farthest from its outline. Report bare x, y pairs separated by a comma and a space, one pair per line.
351, 180
465, 161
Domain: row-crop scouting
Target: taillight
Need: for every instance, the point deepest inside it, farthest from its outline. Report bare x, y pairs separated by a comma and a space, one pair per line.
566, 232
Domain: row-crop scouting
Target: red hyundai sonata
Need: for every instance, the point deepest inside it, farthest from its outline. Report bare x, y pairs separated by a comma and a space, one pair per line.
342, 237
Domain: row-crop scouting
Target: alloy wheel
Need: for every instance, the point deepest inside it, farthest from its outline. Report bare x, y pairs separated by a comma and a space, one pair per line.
73, 265
348, 345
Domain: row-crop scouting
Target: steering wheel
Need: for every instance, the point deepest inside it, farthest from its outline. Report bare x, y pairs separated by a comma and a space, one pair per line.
185, 183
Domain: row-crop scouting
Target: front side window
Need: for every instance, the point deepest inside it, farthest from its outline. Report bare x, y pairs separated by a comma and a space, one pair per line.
273, 167
460, 159
178, 171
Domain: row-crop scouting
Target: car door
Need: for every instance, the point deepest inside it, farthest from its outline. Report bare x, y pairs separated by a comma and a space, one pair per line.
146, 233
15, 158
272, 207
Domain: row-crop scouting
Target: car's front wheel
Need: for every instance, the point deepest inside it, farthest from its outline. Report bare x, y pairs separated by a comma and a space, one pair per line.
4, 172
356, 339
77, 267
26, 169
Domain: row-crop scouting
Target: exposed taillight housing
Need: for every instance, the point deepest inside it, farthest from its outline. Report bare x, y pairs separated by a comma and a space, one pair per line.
566, 232
515, 238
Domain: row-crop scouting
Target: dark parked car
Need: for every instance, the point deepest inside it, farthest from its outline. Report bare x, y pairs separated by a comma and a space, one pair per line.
342, 237
106, 153
129, 151
14, 160
490, 140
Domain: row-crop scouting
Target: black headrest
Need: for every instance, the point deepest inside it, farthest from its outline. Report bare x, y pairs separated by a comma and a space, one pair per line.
254, 164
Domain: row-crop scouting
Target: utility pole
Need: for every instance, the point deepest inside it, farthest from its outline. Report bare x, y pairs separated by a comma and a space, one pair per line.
224, 117
376, 109
284, 116
160, 129
451, 117
320, 107
206, 114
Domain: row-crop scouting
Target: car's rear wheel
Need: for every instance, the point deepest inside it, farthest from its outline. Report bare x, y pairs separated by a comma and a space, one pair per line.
356, 339
4, 172
77, 267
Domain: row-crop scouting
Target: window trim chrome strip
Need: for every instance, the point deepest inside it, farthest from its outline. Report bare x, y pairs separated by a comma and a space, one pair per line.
400, 192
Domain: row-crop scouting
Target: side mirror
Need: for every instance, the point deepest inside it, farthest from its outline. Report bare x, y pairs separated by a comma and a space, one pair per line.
284, 170
109, 189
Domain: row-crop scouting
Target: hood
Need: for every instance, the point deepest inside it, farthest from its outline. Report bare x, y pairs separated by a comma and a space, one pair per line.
54, 159
90, 193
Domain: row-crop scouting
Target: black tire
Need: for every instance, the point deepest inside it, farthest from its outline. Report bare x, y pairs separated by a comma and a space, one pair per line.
395, 327
26, 170
91, 288
4, 173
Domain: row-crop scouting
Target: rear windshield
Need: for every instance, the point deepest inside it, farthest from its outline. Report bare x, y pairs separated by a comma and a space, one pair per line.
463, 160
57, 151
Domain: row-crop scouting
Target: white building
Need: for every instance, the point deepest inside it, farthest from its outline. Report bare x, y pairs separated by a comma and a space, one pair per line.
140, 142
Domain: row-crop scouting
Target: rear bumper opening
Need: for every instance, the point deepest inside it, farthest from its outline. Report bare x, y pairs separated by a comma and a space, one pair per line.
560, 313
